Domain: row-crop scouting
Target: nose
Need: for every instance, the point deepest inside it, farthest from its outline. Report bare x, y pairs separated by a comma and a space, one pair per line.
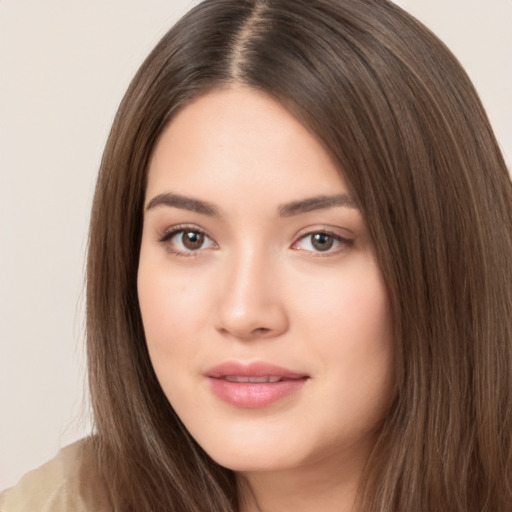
251, 303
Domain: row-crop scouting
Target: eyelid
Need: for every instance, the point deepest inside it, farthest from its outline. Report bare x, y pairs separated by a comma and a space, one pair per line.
169, 233
344, 242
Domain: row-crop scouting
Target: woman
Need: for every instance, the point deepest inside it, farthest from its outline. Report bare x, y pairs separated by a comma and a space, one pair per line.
299, 274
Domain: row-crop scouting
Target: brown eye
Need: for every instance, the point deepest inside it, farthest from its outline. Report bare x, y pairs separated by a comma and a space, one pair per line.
187, 241
322, 241
192, 240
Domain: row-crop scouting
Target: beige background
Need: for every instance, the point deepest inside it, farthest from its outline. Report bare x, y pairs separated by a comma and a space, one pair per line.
64, 65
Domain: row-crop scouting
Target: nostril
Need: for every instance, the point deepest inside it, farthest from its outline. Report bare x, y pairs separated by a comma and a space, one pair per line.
245, 320
259, 331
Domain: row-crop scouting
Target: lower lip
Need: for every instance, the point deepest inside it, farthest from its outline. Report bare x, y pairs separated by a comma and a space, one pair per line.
251, 395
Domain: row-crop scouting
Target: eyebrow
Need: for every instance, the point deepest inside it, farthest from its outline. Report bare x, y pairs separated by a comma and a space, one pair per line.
286, 210
316, 203
183, 202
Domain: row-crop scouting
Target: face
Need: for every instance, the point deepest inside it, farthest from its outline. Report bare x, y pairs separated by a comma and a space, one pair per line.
265, 313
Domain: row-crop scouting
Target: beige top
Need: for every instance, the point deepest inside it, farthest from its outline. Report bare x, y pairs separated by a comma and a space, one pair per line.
67, 483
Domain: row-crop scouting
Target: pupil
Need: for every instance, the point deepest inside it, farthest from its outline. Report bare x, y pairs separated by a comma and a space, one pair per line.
192, 240
322, 241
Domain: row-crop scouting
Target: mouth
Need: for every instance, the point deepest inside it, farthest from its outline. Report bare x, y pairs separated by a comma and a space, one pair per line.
254, 385
253, 380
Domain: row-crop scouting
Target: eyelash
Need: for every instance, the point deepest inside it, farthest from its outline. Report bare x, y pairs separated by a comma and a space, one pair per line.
343, 243
169, 235
165, 239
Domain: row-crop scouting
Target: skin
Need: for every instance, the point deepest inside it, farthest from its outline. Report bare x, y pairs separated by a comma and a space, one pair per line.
257, 288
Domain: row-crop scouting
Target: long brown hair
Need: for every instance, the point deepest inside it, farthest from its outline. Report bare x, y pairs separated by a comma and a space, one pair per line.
398, 114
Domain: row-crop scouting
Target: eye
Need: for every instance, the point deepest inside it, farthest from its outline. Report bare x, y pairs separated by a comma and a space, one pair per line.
322, 242
186, 241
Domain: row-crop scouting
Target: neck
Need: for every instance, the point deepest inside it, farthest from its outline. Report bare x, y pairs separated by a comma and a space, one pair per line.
306, 489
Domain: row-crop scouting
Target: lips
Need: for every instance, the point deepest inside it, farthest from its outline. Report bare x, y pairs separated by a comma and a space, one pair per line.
253, 385
240, 379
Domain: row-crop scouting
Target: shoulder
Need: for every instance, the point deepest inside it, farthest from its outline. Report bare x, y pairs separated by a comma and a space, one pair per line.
69, 482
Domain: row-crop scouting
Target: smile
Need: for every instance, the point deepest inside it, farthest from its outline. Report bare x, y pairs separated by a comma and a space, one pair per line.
240, 379
255, 385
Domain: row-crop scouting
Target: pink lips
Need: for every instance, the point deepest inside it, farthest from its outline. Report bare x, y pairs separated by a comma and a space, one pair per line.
253, 385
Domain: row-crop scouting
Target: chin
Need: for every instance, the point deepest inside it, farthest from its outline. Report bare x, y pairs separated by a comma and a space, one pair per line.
248, 462
274, 449
245, 453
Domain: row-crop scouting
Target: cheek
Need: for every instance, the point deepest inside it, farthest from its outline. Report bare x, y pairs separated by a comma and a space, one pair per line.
171, 302
349, 308
347, 321
169, 310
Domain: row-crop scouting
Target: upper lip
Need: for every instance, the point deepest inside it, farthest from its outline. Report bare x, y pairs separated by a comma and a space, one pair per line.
254, 369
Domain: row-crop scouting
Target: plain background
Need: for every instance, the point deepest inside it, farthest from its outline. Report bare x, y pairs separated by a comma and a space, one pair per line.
64, 66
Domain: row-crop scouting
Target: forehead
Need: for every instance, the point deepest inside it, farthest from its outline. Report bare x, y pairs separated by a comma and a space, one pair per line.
242, 142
